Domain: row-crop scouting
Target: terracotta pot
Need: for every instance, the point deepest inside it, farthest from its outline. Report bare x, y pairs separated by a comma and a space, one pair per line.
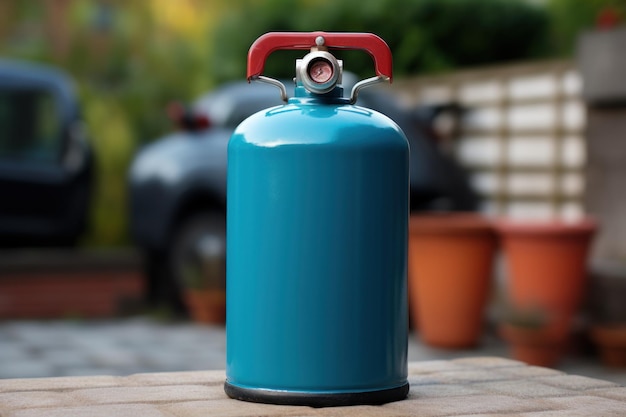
206, 306
450, 263
547, 265
535, 346
611, 341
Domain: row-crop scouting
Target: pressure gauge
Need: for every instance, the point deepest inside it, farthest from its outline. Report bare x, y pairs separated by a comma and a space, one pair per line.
319, 72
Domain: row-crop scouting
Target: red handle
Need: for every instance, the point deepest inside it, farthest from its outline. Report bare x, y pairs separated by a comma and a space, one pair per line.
273, 41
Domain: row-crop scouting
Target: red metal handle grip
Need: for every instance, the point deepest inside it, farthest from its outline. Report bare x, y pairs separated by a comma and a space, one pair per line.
273, 41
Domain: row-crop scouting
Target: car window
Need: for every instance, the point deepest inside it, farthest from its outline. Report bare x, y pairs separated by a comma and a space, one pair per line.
30, 127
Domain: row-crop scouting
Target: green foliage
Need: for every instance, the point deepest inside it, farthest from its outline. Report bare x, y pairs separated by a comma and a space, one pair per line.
424, 35
112, 139
200, 273
531, 317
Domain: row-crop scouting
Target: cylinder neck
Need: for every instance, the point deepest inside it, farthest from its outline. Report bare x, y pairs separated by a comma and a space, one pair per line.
335, 96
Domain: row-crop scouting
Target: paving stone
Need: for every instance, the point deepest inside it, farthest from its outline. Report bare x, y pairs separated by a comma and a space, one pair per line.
232, 408
87, 371
208, 360
581, 403
113, 358
560, 413
616, 393
126, 410
60, 358
530, 371
177, 378
576, 382
429, 379
39, 334
163, 354
441, 390
11, 352
360, 411
489, 415
60, 383
488, 362
522, 388
169, 393
468, 404
468, 376
33, 399
27, 368
426, 367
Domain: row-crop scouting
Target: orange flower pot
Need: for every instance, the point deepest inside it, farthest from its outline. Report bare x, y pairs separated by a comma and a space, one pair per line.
535, 346
450, 265
611, 342
547, 265
206, 306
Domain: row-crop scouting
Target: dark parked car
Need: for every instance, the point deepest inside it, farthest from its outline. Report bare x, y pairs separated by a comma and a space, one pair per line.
45, 160
178, 183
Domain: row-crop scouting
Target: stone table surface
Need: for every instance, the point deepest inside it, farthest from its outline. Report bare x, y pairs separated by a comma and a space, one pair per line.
483, 386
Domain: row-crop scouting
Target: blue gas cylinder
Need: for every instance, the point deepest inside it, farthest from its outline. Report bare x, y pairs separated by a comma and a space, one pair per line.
317, 239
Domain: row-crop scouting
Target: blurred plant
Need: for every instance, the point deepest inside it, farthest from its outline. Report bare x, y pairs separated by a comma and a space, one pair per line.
529, 317
193, 277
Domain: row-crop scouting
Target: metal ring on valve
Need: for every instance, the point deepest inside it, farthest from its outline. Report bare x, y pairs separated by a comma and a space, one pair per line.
320, 72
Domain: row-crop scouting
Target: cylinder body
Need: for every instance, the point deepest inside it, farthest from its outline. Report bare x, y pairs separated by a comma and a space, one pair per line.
316, 255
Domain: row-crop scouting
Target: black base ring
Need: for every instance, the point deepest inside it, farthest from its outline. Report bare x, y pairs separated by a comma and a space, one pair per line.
317, 399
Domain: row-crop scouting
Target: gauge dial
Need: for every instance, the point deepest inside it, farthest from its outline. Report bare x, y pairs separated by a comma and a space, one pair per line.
321, 71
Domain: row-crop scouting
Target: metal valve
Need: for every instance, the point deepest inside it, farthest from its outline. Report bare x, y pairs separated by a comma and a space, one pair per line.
319, 72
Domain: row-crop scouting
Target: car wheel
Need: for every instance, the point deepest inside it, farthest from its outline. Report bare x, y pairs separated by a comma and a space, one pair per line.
198, 252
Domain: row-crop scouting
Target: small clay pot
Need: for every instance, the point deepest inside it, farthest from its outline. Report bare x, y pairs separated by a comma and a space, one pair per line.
540, 346
206, 306
611, 342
